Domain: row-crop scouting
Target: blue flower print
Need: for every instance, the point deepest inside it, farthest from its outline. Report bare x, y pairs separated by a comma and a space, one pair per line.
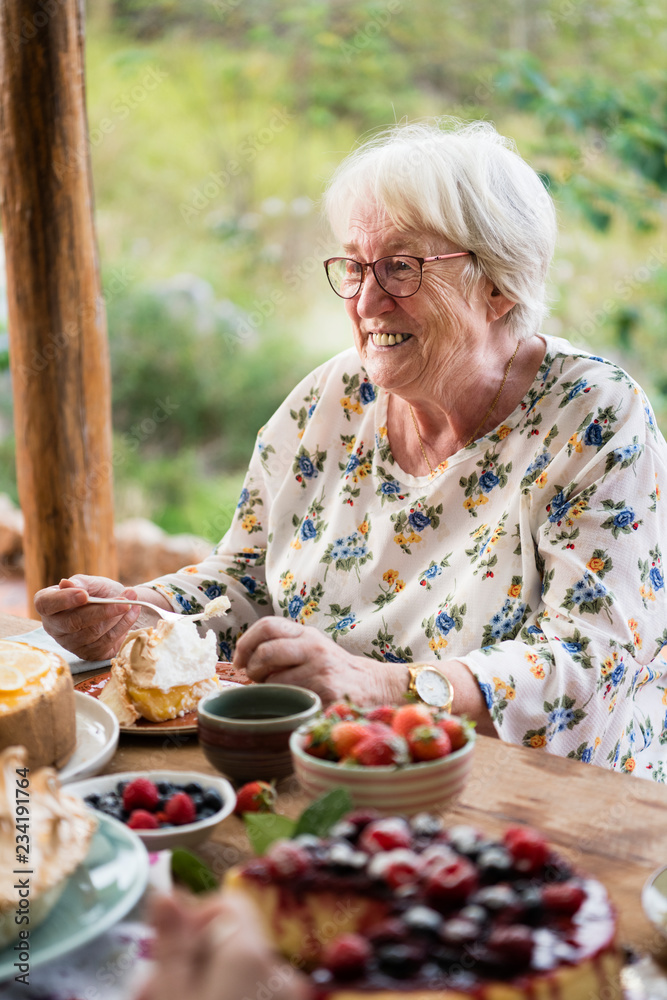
559, 507
617, 674
359, 551
294, 606
624, 517
534, 630
366, 392
587, 755
345, 622
184, 603
576, 389
341, 549
311, 408
656, 578
572, 647
245, 496
418, 520
560, 718
307, 468
444, 622
225, 651
593, 435
432, 571
488, 480
215, 590
622, 454
487, 691
352, 464
389, 488
308, 530
249, 583
538, 463
587, 590
392, 658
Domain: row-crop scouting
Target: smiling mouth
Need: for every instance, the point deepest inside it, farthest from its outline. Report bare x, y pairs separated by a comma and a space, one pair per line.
388, 339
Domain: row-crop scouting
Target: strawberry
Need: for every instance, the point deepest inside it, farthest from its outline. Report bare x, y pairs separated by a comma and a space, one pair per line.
141, 819
316, 741
382, 713
345, 735
452, 883
409, 716
180, 809
563, 898
455, 729
342, 710
528, 848
347, 955
428, 743
256, 796
378, 749
385, 835
140, 794
287, 860
397, 867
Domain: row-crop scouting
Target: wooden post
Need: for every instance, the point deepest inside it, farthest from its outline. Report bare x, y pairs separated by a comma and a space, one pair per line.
57, 324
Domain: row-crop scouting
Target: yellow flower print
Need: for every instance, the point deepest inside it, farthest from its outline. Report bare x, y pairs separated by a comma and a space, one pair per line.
537, 670
482, 499
479, 531
433, 645
504, 431
345, 402
597, 743
189, 569
514, 590
308, 610
607, 666
350, 445
664, 697
248, 548
595, 564
382, 432
657, 492
532, 657
390, 576
538, 740
541, 480
630, 764
647, 593
510, 694
301, 433
575, 443
363, 528
400, 539
442, 642
287, 580
249, 522
356, 407
295, 544
400, 584
468, 503
498, 684
413, 538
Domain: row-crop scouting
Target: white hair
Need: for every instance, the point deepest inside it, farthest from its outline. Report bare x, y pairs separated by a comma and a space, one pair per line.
468, 184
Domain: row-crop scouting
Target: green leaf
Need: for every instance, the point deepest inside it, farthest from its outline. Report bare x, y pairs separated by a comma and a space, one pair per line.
191, 871
264, 828
321, 815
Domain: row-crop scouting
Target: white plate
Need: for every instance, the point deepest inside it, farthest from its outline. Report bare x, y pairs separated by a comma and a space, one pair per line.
188, 835
96, 739
104, 887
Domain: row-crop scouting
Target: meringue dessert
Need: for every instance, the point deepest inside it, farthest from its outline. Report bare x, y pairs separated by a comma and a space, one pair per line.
36, 703
161, 672
60, 829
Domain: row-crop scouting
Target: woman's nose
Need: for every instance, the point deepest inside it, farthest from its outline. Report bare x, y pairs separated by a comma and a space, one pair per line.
372, 298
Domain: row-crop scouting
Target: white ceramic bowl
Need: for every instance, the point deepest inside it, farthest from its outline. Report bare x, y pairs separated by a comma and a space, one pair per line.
430, 786
654, 902
187, 835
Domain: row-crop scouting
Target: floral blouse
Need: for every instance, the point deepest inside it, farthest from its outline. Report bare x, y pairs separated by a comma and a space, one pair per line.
533, 555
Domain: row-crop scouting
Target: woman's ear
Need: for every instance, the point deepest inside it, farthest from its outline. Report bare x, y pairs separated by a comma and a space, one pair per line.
497, 304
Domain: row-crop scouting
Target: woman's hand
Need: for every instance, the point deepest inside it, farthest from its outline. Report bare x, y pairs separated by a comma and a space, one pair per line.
93, 631
281, 651
214, 950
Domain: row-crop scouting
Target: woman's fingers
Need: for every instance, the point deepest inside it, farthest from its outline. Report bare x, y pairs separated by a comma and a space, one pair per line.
271, 644
92, 631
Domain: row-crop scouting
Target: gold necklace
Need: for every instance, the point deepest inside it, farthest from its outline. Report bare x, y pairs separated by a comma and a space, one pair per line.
480, 424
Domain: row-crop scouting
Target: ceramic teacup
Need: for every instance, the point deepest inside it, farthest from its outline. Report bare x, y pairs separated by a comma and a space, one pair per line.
244, 731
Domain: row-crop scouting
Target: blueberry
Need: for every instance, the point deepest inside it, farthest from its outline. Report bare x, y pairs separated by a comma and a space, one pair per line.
193, 788
495, 897
465, 839
458, 931
212, 799
426, 825
494, 863
399, 960
165, 788
422, 920
530, 901
204, 813
92, 800
343, 830
475, 913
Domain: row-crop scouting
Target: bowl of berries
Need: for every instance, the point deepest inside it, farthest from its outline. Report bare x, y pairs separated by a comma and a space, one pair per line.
406, 759
164, 808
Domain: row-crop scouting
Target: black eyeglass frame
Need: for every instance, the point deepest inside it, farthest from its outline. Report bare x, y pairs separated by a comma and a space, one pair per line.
372, 264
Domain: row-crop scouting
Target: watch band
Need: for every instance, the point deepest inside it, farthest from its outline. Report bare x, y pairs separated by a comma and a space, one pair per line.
415, 669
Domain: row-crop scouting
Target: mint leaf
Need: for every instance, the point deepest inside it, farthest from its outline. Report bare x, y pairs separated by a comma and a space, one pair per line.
264, 828
321, 815
192, 871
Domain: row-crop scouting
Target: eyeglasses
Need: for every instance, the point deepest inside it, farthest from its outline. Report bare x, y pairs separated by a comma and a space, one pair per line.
399, 276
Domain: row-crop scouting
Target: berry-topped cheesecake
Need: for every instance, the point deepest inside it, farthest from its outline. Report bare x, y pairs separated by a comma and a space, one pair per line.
391, 907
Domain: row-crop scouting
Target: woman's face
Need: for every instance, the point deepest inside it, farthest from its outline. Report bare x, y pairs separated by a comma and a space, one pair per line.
439, 326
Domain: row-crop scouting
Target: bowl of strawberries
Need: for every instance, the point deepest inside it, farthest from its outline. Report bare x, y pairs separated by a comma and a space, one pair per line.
408, 759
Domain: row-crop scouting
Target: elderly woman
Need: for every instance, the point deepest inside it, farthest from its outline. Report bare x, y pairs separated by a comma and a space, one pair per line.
462, 506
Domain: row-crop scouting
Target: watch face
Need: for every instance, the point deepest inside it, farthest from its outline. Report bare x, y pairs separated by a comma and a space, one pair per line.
433, 688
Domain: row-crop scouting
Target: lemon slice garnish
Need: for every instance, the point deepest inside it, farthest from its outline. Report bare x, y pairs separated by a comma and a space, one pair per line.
11, 679
31, 662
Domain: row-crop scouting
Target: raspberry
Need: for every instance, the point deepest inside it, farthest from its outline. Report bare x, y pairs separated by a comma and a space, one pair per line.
347, 955
140, 819
563, 898
455, 729
385, 835
360, 818
428, 743
452, 883
140, 794
380, 750
409, 716
345, 735
396, 868
528, 848
511, 947
180, 809
286, 860
382, 713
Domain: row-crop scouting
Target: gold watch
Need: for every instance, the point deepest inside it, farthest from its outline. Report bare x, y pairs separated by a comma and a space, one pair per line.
430, 686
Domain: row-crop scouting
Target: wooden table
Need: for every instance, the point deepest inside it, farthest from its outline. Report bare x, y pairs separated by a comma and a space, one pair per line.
611, 825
